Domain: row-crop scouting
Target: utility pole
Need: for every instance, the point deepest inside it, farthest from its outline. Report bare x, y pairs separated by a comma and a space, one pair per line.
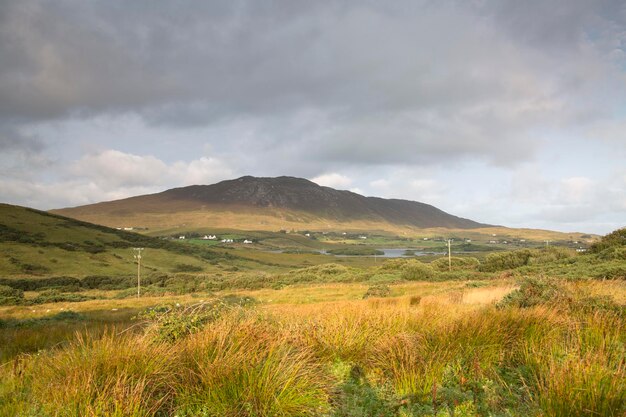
138, 257
449, 256
547, 243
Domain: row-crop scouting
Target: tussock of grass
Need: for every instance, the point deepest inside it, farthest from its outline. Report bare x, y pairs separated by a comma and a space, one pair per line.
382, 357
109, 376
244, 368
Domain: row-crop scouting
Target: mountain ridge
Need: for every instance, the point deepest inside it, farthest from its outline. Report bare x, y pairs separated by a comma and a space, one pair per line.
295, 198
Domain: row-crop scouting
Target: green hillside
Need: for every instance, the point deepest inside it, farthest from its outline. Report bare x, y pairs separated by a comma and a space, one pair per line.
36, 243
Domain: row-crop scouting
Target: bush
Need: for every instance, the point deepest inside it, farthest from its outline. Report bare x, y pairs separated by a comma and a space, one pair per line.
417, 271
613, 253
33, 284
172, 323
6, 291
380, 290
186, 268
614, 239
103, 282
458, 264
394, 264
610, 270
10, 296
535, 291
506, 260
550, 254
55, 296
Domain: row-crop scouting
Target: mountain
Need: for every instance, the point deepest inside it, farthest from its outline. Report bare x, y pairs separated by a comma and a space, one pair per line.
36, 243
266, 203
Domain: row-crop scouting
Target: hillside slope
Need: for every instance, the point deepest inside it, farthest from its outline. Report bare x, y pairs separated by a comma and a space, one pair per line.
265, 203
35, 243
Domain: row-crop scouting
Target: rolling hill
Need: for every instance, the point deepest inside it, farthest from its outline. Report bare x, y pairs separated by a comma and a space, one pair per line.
36, 243
252, 203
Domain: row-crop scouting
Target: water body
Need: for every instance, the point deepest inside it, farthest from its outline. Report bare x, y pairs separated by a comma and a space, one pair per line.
401, 253
388, 253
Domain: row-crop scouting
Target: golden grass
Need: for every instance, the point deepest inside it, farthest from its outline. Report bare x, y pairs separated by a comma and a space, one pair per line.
278, 358
181, 218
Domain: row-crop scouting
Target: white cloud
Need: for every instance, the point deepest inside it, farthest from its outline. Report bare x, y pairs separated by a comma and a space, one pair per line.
112, 168
111, 175
200, 171
576, 190
333, 180
379, 184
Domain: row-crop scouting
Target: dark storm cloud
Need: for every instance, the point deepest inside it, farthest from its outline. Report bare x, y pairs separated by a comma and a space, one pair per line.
399, 83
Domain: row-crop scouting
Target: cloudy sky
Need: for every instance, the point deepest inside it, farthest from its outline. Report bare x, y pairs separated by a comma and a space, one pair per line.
503, 111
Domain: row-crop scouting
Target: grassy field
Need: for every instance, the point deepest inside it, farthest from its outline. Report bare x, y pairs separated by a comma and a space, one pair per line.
241, 331
437, 349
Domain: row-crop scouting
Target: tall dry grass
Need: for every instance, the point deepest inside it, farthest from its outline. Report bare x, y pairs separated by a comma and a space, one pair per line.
441, 356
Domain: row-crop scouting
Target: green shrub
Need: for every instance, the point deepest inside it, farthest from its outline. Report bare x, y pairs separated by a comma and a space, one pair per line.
186, 268
505, 260
535, 291
6, 291
458, 264
417, 271
10, 296
172, 323
612, 253
394, 264
55, 296
33, 284
614, 239
104, 282
549, 254
613, 270
379, 290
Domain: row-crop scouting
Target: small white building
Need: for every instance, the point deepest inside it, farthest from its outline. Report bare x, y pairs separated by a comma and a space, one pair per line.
181, 237
247, 242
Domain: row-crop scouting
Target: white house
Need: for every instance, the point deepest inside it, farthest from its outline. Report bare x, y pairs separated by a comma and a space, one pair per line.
247, 242
181, 237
